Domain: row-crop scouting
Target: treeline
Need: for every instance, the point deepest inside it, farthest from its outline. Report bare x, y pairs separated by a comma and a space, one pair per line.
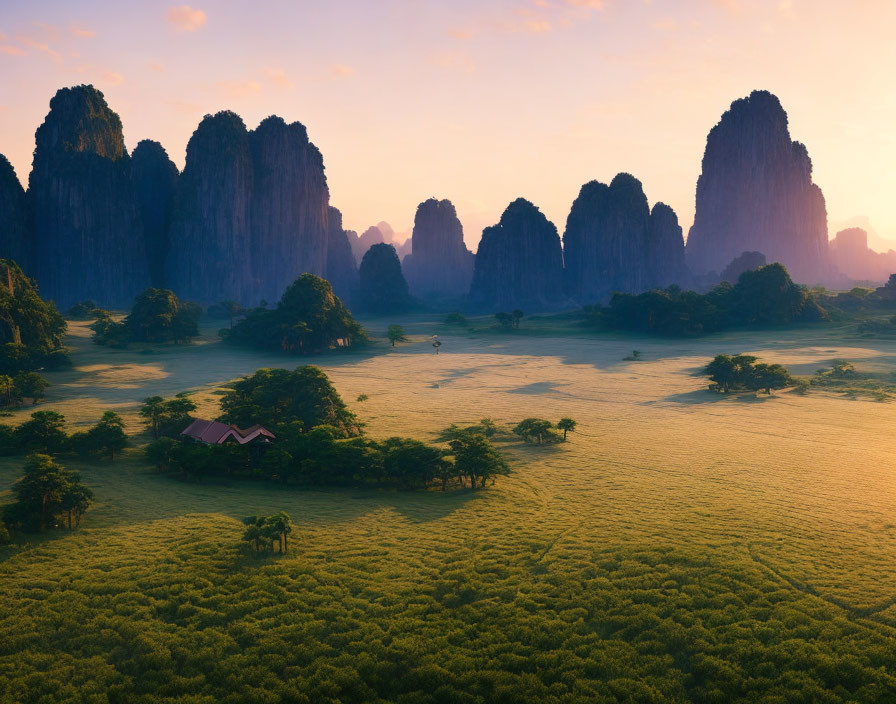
45, 433
762, 297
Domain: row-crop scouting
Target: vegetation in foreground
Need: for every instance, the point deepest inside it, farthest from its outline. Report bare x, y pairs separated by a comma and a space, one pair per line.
158, 316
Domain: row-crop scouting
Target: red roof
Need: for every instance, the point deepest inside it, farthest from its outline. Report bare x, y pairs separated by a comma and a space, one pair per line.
212, 432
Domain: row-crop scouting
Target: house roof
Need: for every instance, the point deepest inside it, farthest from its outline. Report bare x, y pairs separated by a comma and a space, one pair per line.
212, 432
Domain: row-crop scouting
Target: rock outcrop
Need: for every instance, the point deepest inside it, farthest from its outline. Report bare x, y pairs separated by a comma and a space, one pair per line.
15, 231
439, 264
665, 249
519, 263
371, 236
342, 272
250, 211
383, 288
756, 193
288, 207
155, 179
613, 242
88, 235
747, 261
856, 261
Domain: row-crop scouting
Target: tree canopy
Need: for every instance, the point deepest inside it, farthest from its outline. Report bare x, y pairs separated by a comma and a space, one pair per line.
46, 491
158, 315
383, 286
309, 318
742, 372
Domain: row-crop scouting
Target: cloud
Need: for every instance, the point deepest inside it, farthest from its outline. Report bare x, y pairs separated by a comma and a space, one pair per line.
587, 4
454, 61
342, 71
82, 32
156, 67
33, 43
238, 89
279, 78
11, 50
113, 78
186, 18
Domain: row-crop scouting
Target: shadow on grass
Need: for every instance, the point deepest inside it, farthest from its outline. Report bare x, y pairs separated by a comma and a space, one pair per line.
707, 396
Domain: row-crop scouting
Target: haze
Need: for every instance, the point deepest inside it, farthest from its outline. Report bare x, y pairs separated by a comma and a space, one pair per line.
477, 102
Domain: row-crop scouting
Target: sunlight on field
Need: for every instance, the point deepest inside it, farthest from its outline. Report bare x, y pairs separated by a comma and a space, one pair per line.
789, 495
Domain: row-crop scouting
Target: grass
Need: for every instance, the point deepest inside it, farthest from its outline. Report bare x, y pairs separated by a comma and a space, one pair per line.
682, 546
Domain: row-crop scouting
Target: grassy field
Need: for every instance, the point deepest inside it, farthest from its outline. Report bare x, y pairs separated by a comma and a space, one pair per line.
682, 546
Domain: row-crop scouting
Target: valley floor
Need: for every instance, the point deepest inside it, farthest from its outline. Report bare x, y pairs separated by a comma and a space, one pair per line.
682, 546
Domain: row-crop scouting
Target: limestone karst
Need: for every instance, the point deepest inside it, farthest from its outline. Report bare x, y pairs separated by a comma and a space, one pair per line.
15, 230
382, 288
360, 244
856, 261
665, 249
88, 234
755, 192
439, 263
155, 179
342, 271
519, 263
746, 261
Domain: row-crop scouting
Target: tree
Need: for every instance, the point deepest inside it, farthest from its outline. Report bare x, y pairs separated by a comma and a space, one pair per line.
730, 373
75, 500
232, 309
309, 318
535, 430
167, 417
505, 320
516, 316
267, 530
280, 526
159, 316
411, 463
31, 385
43, 433
8, 391
276, 396
107, 437
47, 489
770, 376
476, 458
395, 333
566, 425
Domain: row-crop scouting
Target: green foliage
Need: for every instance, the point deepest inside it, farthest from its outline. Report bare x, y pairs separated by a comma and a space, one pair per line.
45, 491
566, 425
272, 397
842, 376
456, 318
476, 459
31, 385
31, 329
536, 431
263, 531
395, 333
309, 318
102, 440
167, 418
157, 316
43, 433
5, 538
763, 297
741, 372
362, 397
85, 310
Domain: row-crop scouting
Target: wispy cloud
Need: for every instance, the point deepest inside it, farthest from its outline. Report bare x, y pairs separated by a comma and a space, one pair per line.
186, 18
454, 61
11, 50
342, 70
237, 88
112, 78
279, 78
38, 45
82, 32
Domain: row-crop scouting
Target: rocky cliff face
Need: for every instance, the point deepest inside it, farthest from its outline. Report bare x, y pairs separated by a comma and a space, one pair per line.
288, 207
756, 193
251, 211
439, 263
857, 262
211, 258
15, 231
342, 272
613, 242
371, 236
155, 179
665, 249
88, 236
519, 263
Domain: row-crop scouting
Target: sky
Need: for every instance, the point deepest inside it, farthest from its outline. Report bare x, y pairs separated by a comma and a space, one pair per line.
477, 101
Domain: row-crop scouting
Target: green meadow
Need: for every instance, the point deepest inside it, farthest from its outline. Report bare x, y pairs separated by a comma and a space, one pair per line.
682, 546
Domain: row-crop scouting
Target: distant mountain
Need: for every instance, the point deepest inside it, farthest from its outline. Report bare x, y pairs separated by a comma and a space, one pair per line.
755, 193
15, 219
439, 263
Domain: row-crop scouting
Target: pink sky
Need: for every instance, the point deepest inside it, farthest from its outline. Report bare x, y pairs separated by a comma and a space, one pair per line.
478, 102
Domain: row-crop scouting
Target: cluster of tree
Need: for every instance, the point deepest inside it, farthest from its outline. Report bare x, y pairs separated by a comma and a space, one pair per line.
456, 318
383, 288
157, 316
741, 372
510, 321
538, 431
45, 433
263, 531
762, 297
167, 417
309, 318
321, 456
31, 329
14, 389
47, 496
84, 310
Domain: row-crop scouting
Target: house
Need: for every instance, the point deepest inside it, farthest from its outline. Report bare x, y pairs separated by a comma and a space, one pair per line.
212, 432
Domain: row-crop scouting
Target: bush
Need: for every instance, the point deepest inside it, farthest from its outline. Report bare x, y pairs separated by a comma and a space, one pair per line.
741, 372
